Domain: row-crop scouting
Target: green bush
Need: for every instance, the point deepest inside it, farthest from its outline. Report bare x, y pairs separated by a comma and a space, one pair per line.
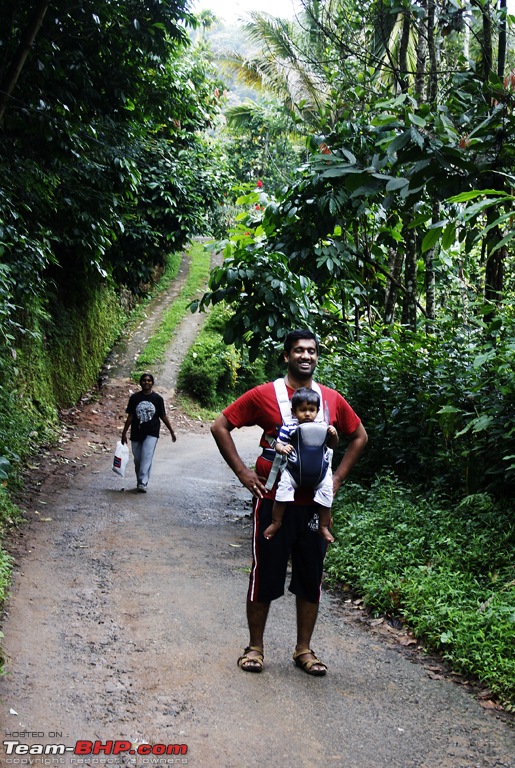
213, 372
438, 410
210, 368
448, 571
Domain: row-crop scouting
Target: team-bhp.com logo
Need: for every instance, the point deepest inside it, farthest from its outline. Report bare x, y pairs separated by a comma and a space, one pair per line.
94, 748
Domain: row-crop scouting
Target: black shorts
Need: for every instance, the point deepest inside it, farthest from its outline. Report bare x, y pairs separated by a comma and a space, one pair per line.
297, 537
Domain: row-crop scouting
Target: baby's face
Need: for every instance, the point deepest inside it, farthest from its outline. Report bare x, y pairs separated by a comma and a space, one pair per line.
305, 412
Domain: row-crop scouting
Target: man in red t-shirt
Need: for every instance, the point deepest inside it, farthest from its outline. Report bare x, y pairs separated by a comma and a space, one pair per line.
298, 536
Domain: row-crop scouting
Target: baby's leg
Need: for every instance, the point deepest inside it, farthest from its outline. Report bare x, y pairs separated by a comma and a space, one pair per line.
277, 519
324, 522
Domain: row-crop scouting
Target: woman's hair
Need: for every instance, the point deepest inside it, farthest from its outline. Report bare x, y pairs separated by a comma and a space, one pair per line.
305, 395
146, 376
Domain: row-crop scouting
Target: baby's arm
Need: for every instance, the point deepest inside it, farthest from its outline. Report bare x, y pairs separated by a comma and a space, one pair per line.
283, 448
332, 437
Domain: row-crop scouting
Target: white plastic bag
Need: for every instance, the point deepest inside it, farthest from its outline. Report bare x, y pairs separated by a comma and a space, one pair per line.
121, 457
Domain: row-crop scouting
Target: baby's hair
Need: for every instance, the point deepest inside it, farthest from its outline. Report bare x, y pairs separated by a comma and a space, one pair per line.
305, 395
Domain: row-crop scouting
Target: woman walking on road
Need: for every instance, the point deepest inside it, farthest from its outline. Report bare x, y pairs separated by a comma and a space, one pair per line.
146, 409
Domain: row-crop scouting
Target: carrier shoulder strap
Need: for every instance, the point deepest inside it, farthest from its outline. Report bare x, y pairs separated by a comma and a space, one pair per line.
284, 401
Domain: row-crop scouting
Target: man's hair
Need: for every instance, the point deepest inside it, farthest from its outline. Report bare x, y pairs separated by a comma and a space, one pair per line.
295, 336
305, 395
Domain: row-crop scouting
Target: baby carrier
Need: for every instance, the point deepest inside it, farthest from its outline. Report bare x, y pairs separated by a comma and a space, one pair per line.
312, 457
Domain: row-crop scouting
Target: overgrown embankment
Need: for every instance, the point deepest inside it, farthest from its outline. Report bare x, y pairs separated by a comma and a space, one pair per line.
47, 367
51, 365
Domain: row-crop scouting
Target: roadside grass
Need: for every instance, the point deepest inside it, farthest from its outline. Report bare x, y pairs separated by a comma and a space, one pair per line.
170, 272
10, 515
154, 352
447, 572
194, 410
213, 373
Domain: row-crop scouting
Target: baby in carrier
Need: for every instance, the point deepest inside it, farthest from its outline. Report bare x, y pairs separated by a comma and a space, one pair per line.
307, 466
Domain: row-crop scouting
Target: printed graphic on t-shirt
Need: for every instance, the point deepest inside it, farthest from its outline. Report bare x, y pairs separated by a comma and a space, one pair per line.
313, 523
145, 411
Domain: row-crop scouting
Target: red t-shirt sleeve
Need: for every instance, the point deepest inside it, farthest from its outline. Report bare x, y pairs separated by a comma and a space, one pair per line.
347, 420
257, 406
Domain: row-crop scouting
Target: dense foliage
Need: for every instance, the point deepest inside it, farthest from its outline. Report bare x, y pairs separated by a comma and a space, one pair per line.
391, 241
447, 571
438, 409
107, 166
214, 372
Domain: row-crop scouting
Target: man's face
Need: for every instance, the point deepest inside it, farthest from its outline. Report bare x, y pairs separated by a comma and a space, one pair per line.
302, 359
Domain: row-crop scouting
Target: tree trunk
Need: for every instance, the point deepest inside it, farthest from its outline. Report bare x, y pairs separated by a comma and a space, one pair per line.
494, 264
432, 86
422, 35
494, 275
430, 277
501, 45
13, 72
409, 309
402, 74
487, 48
395, 263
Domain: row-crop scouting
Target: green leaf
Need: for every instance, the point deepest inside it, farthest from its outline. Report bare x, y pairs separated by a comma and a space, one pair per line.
417, 137
416, 120
395, 183
449, 235
483, 358
464, 197
399, 142
430, 238
342, 170
5, 467
482, 422
508, 238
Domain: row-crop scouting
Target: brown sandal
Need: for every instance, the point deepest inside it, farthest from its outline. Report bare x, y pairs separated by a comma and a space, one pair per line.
252, 663
307, 666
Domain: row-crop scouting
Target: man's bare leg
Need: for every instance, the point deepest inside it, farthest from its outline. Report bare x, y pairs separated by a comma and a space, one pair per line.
257, 614
307, 614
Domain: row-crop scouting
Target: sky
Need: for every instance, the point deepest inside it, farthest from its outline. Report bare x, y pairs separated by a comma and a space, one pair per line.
231, 10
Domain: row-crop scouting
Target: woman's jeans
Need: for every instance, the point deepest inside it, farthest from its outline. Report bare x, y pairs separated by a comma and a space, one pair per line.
143, 454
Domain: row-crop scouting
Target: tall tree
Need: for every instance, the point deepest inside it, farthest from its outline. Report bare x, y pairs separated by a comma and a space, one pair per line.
13, 70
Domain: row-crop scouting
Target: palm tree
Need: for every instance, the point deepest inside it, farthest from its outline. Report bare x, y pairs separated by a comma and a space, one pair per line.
282, 66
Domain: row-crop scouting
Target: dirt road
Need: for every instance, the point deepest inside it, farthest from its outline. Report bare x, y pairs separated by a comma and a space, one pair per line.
127, 617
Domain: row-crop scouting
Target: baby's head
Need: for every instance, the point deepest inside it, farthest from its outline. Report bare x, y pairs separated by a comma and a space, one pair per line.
305, 404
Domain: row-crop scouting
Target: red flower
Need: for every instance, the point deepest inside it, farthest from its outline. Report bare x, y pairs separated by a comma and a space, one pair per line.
259, 183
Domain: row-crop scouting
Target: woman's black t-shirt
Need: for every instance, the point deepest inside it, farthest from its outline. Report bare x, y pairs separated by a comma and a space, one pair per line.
147, 410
